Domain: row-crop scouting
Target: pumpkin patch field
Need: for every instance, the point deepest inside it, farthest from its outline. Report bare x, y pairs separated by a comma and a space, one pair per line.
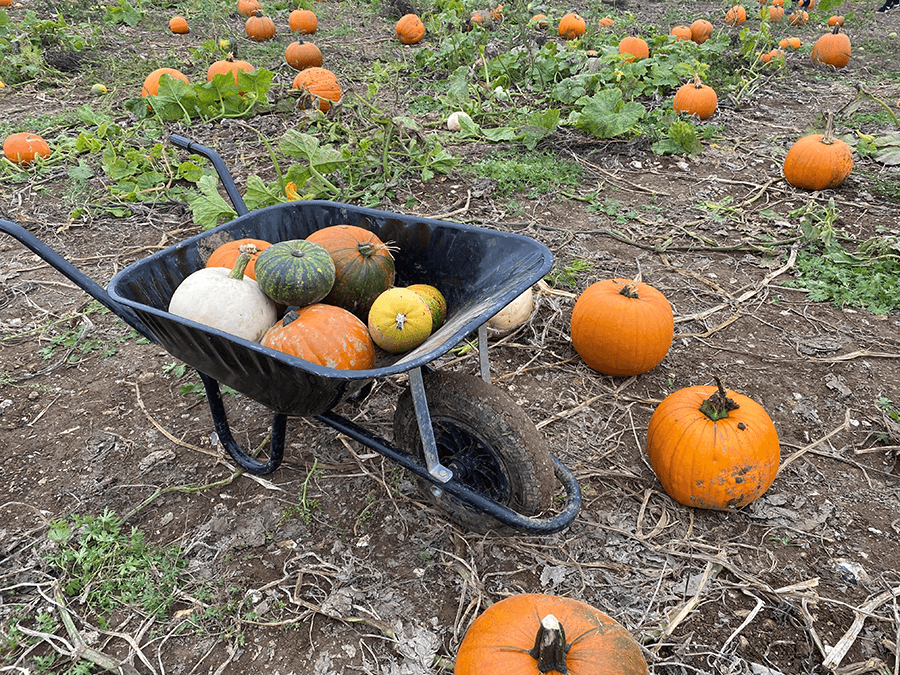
714, 353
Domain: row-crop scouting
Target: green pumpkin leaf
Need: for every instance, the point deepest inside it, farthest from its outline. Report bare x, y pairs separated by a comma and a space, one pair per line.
605, 114
208, 207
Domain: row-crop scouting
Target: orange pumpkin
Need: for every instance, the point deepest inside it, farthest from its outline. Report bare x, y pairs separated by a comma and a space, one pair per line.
151, 83
790, 43
228, 65
701, 30
774, 13
300, 55
249, 7
259, 28
712, 448
736, 15
179, 25
23, 147
622, 328
363, 266
531, 633
832, 48
409, 29
696, 98
835, 20
770, 55
632, 48
303, 21
818, 161
227, 254
606, 22
681, 33
571, 26
322, 334
320, 84
539, 21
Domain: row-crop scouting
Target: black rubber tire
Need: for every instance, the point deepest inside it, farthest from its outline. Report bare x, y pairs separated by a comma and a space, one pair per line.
488, 441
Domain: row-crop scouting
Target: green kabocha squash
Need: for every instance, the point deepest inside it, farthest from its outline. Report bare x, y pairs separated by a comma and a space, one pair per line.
225, 299
295, 272
363, 266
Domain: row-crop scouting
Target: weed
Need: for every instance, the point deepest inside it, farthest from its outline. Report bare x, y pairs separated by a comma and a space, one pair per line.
566, 276
305, 506
537, 172
110, 566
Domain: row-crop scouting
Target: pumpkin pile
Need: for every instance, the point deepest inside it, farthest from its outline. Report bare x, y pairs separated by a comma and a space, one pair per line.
337, 286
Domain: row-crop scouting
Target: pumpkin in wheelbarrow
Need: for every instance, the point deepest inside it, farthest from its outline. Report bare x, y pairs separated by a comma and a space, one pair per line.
323, 334
226, 299
363, 266
295, 272
399, 320
227, 254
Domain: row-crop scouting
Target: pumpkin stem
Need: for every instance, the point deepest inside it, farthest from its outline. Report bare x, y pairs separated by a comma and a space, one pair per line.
550, 646
828, 136
630, 290
368, 248
717, 406
400, 321
247, 250
697, 83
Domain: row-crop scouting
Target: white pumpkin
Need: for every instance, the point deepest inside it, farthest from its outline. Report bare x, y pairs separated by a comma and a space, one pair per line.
226, 300
514, 314
453, 120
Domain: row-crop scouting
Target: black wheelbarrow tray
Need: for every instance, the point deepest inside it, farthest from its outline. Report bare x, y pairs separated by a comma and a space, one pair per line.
475, 453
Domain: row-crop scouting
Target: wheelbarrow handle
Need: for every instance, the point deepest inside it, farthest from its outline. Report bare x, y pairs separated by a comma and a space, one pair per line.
219, 165
73, 274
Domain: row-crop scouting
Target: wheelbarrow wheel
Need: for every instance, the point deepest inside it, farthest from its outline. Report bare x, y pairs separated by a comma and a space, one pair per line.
488, 442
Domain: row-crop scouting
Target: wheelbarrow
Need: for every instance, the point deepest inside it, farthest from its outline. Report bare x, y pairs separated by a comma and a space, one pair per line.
474, 452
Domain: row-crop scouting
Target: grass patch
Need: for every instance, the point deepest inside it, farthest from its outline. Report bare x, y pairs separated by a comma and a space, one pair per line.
535, 173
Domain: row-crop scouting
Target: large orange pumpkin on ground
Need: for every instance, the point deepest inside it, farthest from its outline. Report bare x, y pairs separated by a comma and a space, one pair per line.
712, 448
409, 29
321, 84
818, 161
23, 147
532, 633
571, 26
151, 83
622, 328
635, 46
696, 98
701, 30
832, 48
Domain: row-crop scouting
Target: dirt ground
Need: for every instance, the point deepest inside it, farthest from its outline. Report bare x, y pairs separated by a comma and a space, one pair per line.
336, 564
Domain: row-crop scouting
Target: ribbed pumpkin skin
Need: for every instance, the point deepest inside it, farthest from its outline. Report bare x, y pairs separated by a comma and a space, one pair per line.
696, 98
832, 49
712, 464
249, 7
621, 336
303, 21
323, 334
813, 165
151, 83
319, 82
681, 33
260, 28
399, 320
497, 642
409, 29
701, 30
295, 272
736, 15
225, 66
571, 26
436, 302
300, 55
227, 254
635, 46
363, 266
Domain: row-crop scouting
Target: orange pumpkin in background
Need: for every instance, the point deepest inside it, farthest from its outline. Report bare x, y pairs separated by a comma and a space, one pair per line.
571, 26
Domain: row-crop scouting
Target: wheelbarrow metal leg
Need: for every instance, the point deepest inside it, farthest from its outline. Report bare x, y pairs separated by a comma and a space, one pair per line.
220, 421
483, 362
429, 447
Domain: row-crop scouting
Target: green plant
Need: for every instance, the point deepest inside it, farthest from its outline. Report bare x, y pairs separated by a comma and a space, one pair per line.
108, 565
305, 505
566, 276
536, 172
